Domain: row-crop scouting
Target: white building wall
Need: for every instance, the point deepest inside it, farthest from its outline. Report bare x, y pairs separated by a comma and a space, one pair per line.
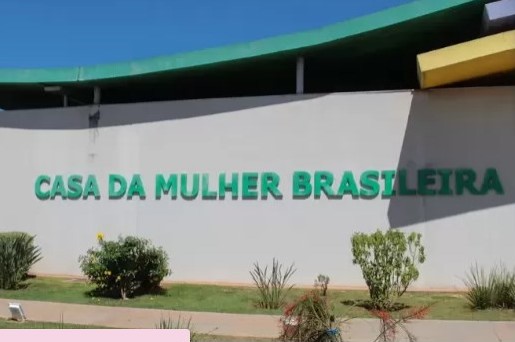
219, 240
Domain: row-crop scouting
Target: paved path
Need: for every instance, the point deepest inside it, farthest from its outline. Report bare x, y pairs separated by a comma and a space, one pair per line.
267, 326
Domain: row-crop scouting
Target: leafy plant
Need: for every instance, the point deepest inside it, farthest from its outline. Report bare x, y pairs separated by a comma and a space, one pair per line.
180, 323
479, 292
17, 255
272, 287
388, 262
495, 289
310, 319
125, 267
322, 282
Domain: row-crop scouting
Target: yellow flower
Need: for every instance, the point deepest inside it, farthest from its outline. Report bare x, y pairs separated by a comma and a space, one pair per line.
100, 237
107, 272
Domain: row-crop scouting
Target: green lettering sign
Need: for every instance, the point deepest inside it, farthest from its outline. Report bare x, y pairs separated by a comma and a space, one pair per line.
465, 179
249, 185
223, 186
266, 185
193, 193
426, 180
75, 187
136, 188
206, 193
369, 184
117, 186
388, 176
270, 185
323, 183
491, 182
302, 184
348, 185
58, 189
445, 181
164, 187
404, 190
38, 187
91, 188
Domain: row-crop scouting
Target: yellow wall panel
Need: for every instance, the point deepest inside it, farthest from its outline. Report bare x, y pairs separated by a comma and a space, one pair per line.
480, 57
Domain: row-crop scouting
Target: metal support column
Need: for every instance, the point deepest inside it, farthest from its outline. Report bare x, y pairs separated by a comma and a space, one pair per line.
300, 75
96, 95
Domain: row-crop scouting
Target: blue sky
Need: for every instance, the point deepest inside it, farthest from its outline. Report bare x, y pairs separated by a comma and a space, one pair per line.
50, 33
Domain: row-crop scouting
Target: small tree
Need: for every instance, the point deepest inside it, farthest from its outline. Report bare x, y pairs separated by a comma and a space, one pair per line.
124, 267
388, 262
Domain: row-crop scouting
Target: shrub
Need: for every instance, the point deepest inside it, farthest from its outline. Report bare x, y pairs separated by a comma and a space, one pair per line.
179, 324
17, 255
322, 282
504, 288
388, 262
480, 288
309, 319
125, 267
272, 287
390, 325
495, 289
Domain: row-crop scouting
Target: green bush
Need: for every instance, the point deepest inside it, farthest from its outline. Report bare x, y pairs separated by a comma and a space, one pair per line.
125, 267
272, 287
495, 289
17, 255
388, 262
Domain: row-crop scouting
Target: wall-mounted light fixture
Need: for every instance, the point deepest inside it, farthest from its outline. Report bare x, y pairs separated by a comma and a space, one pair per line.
17, 313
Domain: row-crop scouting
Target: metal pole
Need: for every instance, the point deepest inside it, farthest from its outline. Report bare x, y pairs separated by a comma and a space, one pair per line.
300, 75
96, 95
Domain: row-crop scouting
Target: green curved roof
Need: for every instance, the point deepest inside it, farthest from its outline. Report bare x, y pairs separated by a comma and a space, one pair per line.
276, 45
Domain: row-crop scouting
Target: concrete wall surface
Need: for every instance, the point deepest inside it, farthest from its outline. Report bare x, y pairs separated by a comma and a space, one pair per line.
219, 240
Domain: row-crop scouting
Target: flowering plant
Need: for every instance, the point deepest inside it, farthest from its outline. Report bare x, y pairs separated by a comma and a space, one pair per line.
100, 237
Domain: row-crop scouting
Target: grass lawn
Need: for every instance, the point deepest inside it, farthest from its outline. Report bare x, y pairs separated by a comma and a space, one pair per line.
210, 298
